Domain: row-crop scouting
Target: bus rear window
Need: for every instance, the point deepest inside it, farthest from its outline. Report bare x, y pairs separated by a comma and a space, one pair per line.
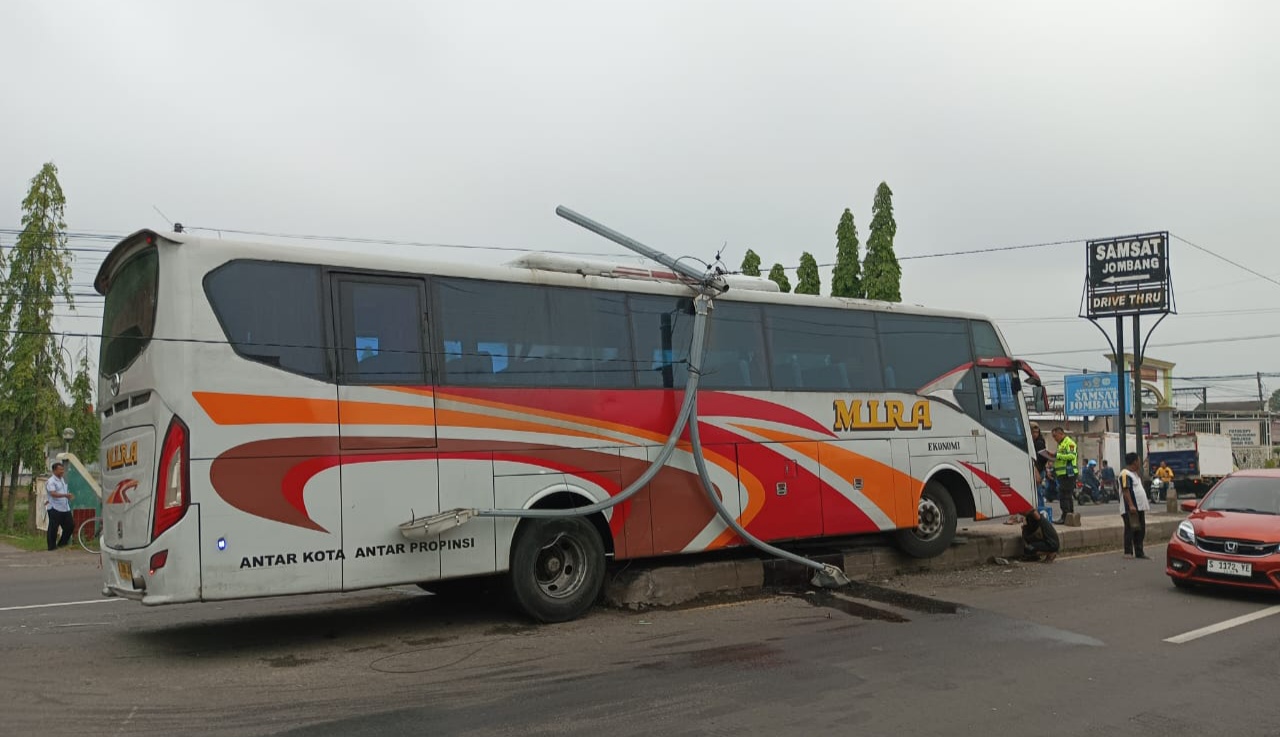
129, 315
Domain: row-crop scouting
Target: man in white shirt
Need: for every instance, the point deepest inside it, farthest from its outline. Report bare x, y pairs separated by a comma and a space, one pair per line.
1133, 507
58, 504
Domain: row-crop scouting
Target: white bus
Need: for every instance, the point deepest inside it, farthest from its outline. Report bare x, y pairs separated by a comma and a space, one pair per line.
275, 420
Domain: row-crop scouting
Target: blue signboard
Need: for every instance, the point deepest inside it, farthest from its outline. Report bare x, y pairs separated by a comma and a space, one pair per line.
1096, 395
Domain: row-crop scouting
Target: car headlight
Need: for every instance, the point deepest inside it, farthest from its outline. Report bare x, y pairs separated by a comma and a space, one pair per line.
1186, 533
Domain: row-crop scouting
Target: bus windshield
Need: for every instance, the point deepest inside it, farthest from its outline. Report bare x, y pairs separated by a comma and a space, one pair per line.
129, 315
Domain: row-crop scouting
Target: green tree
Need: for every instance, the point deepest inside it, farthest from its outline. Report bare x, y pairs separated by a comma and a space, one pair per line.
778, 276
846, 279
751, 263
881, 274
39, 273
810, 281
1273, 404
80, 415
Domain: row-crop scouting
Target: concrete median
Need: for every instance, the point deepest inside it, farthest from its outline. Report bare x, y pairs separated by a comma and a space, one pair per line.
641, 585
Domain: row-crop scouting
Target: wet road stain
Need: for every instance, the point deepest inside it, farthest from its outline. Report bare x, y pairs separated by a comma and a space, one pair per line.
745, 656
853, 608
748, 656
859, 599
511, 629
290, 661
424, 641
902, 599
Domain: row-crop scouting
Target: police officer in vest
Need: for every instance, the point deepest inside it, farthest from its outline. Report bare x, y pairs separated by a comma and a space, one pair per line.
1064, 470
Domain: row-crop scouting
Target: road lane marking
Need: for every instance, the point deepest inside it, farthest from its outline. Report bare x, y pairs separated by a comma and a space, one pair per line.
1070, 556
1221, 626
61, 603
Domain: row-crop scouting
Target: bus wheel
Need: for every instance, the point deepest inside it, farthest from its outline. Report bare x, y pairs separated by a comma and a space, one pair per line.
935, 524
557, 568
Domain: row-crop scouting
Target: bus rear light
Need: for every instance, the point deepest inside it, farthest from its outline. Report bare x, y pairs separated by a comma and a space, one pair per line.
173, 479
158, 560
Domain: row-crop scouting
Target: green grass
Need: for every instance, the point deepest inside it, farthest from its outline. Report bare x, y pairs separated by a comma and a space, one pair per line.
18, 536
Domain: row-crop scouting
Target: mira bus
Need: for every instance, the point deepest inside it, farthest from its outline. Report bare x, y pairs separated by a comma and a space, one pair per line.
272, 415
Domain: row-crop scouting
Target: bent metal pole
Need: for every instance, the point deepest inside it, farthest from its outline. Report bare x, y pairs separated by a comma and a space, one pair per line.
685, 270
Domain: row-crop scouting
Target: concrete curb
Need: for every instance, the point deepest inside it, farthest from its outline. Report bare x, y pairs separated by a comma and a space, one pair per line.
642, 587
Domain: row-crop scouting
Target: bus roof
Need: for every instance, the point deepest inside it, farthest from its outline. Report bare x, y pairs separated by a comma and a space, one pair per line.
625, 277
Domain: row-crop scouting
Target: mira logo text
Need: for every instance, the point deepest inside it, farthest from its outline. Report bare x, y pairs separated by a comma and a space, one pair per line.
122, 455
875, 414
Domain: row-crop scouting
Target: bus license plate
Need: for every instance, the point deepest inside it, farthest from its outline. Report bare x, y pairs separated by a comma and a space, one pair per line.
1231, 568
126, 571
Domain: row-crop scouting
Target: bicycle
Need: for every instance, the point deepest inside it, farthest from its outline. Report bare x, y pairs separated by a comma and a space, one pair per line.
89, 533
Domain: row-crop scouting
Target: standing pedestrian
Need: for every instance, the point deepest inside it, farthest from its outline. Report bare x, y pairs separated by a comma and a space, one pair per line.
1133, 507
1064, 471
58, 504
1037, 443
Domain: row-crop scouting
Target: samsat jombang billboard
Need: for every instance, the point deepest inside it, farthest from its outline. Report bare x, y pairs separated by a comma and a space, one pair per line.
1095, 395
1128, 276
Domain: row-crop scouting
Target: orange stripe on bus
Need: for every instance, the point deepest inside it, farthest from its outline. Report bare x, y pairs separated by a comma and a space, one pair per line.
563, 417
253, 409
376, 413
250, 409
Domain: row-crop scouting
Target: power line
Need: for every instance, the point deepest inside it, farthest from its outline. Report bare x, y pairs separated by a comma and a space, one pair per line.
1209, 313
1236, 339
1220, 257
944, 254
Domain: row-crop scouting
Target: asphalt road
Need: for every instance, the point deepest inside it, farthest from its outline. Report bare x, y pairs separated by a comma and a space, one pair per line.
1074, 648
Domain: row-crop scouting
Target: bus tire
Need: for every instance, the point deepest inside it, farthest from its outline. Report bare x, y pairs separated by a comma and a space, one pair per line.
935, 524
557, 568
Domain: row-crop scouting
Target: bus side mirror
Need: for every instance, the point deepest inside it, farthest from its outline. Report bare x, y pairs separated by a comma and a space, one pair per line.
1039, 399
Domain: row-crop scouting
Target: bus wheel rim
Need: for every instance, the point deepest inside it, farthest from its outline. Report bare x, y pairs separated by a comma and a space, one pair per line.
929, 519
560, 569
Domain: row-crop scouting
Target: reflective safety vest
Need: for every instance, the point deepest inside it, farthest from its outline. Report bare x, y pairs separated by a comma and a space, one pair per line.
1064, 463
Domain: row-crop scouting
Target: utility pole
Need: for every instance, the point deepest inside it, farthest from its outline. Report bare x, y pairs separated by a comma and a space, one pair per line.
1260, 399
1138, 436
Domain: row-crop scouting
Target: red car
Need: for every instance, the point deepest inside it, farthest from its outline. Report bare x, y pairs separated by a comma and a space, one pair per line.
1232, 537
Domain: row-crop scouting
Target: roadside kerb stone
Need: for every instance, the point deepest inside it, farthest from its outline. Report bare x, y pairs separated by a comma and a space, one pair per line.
640, 586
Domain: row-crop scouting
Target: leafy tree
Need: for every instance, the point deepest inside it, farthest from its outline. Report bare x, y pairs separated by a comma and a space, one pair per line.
751, 263
881, 274
39, 272
810, 281
778, 276
80, 416
846, 279
1273, 404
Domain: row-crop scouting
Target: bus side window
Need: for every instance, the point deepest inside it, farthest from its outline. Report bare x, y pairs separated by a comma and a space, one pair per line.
271, 314
380, 330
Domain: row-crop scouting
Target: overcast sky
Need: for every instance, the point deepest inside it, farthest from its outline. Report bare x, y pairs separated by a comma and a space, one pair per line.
687, 125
